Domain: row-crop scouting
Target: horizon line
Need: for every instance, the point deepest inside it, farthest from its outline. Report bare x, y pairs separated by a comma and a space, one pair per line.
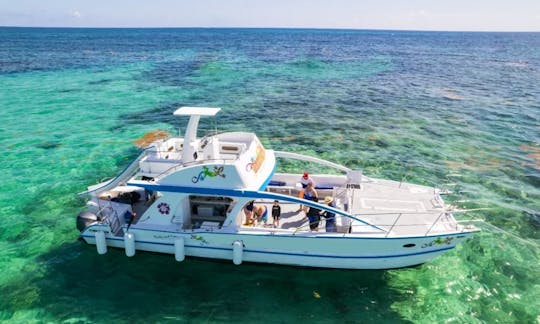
276, 27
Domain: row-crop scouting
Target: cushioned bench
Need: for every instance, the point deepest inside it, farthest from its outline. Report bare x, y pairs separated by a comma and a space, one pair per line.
322, 187
277, 183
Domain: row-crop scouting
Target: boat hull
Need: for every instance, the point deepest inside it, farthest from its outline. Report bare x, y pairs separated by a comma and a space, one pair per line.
311, 250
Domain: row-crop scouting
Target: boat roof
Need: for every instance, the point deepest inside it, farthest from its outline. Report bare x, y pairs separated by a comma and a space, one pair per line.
197, 111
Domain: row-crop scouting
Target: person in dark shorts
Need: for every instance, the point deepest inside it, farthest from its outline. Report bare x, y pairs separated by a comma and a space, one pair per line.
314, 216
276, 213
260, 214
330, 217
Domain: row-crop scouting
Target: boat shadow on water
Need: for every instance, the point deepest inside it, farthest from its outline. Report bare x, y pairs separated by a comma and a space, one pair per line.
78, 283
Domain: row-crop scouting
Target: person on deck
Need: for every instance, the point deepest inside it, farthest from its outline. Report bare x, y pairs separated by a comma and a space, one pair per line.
329, 216
309, 193
248, 211
260, 214
313, 215
305, 180
276, 213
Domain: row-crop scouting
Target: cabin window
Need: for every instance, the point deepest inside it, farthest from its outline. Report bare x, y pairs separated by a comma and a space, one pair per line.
230, 148
208, 210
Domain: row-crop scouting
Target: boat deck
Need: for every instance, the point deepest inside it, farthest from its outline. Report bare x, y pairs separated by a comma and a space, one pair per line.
292, 218
399, 209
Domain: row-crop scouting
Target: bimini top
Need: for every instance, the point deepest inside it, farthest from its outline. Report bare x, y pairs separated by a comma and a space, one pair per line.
200, 111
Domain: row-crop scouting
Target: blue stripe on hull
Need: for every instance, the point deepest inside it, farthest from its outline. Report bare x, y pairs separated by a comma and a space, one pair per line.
295, 254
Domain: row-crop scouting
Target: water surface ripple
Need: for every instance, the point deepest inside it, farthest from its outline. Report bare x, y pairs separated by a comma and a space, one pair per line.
458, 110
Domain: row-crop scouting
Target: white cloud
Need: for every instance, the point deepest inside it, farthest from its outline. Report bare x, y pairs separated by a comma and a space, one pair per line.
76, 14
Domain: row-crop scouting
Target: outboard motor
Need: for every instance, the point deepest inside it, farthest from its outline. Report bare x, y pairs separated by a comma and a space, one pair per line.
85, 219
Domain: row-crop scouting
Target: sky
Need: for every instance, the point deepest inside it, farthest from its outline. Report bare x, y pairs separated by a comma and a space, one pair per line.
450, 15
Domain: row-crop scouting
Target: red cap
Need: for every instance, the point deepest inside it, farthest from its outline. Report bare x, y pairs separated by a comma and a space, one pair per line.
306, 175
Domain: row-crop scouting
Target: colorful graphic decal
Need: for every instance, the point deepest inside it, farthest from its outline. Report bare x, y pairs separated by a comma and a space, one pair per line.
257, 161
218, 172
199, 238
166, 237
164, 208
438, 241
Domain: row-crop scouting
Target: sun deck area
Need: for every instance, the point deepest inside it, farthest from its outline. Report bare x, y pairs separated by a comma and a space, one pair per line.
401, 209
396, 208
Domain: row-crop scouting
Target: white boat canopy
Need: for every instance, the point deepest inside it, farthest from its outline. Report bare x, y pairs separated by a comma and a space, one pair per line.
200, 111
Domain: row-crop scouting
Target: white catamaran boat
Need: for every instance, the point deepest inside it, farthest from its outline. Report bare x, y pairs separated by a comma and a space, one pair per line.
213, 196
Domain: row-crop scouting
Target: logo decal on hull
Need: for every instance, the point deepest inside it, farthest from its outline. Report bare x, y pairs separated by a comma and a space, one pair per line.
218, 171
439, 241
200, 239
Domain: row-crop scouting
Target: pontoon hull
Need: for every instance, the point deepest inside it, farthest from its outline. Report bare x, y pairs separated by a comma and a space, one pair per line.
324, 251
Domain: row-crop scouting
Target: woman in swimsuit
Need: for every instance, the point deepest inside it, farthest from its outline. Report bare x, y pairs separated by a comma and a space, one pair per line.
309, 194
248, 211
260, 213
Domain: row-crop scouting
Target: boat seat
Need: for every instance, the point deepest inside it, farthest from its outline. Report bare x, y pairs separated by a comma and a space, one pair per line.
231, 148
324, 187
210, 226
277, 183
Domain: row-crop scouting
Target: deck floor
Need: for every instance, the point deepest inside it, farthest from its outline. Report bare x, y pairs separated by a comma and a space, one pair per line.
291, 217
403, 209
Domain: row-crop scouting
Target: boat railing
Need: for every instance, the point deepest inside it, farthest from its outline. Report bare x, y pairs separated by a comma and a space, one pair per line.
436, 221
107, 214
442, 219
301, 157
156, 154
343, 195
102, 216
434, 188
393, 225
375, 223
321, 224
114, 223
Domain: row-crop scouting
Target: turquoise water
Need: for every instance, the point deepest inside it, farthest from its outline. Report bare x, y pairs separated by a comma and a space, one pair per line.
458, 110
